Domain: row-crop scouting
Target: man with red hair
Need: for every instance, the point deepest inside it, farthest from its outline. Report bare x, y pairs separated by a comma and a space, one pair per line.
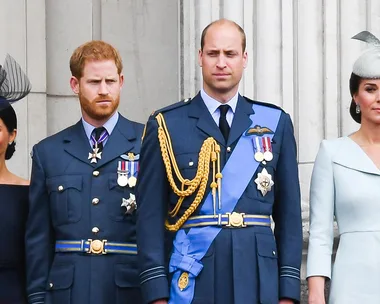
80, 239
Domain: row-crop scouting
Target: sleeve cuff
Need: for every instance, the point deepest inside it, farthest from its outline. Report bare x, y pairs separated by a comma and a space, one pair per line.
154, 284
290, 285
36, 298
318, 265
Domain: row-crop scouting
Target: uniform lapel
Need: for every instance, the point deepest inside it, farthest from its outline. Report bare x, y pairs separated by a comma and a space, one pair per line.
241, 120
120, 141
77, 143
198, 110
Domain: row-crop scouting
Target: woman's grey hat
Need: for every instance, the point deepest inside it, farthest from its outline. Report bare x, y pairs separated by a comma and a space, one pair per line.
368, 64
14, 84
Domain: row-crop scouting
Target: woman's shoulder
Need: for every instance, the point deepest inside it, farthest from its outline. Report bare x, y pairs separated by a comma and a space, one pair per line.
23, 182
334, 144
16, 180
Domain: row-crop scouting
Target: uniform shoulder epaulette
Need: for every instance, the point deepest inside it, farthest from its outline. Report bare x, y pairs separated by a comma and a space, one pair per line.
267, 104
172, 106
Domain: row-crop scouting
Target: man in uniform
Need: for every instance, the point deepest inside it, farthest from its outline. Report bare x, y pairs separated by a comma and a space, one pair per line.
81, 237
215, 170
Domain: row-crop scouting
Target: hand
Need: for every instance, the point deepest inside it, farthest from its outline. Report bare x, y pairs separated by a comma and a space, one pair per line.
316, 290
286, 301
316, 300
160, 302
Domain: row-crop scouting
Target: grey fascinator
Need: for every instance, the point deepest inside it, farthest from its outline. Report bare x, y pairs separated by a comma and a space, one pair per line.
368, 64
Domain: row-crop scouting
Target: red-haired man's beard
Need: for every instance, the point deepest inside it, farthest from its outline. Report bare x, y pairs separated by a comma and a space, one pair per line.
100, 108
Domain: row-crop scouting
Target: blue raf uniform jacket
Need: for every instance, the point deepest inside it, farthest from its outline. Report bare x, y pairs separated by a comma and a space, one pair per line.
242, 265
73, 199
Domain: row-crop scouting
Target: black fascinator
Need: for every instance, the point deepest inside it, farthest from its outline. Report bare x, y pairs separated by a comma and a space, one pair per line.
14, 84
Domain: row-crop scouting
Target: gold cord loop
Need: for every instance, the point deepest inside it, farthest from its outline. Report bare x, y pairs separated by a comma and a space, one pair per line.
210, 151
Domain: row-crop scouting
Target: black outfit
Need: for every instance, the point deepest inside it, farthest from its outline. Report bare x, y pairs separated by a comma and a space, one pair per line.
13, 214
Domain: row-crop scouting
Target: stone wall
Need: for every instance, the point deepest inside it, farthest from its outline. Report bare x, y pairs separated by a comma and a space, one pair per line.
299, 57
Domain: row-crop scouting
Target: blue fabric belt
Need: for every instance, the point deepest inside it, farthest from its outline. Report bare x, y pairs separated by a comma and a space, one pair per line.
95, 247
228, 220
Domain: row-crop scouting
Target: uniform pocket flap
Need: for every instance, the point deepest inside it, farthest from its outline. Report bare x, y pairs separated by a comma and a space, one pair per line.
112, 182
125, 276
61, 277
266, 245
61, 183
187, 161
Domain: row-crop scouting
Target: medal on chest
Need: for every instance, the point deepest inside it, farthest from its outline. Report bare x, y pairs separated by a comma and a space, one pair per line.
95, 154
264, 182
259, 155
127, 170
96, 151
132, 164
263, 154
122, 173
129, 204
268, 155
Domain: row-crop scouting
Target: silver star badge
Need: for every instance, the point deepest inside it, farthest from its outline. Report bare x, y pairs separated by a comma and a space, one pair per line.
129, 204
95, 155
264, 182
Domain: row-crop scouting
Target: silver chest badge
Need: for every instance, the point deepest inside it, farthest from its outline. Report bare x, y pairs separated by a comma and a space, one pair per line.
129, 204
264, 182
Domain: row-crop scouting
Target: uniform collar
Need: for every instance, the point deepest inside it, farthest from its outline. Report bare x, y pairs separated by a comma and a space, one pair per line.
109, 125
212, 104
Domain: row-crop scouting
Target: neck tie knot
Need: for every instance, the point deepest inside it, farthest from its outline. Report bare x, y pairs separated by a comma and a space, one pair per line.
97, 132
223, 110
99, 135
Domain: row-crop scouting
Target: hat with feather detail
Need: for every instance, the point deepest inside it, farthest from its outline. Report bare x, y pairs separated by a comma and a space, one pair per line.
14, 84
368, 63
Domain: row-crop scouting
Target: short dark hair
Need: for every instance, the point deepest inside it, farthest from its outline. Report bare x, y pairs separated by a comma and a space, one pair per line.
355, 81
9, 118
243, 37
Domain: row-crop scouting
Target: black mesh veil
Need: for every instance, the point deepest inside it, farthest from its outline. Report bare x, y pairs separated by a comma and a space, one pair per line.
14, 84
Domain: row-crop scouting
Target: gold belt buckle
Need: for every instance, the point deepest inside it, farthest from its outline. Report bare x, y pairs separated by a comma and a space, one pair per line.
236, 220
97, 246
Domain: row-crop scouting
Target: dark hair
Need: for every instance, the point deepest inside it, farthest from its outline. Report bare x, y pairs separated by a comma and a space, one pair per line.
354, 88
243, 37
8, 116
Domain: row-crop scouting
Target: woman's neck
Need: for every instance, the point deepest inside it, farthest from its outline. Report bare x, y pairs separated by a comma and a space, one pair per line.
4, 172
369, 134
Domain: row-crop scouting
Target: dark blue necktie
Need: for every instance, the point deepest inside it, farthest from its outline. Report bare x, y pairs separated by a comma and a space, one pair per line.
223, 123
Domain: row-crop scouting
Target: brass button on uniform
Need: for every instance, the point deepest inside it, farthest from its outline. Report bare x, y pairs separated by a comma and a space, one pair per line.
60, 188
95, 173
228, 149
95, 230
95, 201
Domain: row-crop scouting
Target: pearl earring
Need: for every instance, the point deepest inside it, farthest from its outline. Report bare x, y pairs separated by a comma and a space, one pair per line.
357, 109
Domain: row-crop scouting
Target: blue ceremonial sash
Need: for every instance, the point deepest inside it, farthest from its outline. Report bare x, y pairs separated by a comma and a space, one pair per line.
190, 248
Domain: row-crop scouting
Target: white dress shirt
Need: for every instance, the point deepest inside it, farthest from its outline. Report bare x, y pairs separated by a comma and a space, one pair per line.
213, 105
109, 126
